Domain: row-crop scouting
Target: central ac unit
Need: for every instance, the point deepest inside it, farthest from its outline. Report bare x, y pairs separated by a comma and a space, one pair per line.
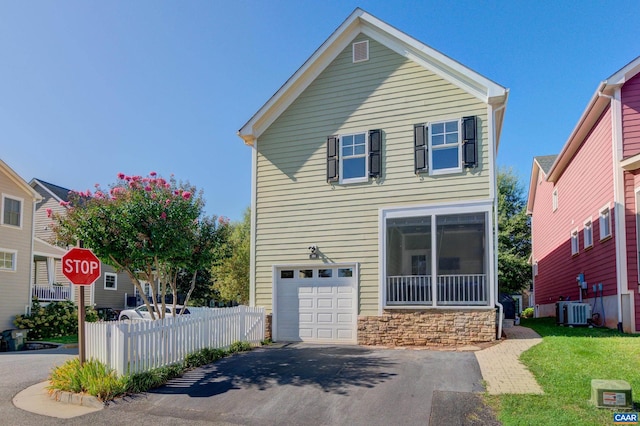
561, 317
577, 313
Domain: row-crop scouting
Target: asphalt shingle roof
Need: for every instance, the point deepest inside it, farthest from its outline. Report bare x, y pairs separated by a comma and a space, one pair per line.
545, 162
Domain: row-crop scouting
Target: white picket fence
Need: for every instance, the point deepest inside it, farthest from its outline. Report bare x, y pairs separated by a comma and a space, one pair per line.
138, 346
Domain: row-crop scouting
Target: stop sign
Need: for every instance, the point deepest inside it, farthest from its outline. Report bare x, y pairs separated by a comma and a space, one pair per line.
81, 266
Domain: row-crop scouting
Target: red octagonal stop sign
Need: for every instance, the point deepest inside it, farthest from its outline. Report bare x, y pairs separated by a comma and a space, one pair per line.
81, 266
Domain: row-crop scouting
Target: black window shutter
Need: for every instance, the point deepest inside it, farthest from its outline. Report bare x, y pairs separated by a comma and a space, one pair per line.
375, 148
420, 147
469, 142
333, 143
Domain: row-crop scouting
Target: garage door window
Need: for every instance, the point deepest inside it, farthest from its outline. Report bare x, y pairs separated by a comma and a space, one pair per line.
288, 274
305, 273
325, 273
345, 272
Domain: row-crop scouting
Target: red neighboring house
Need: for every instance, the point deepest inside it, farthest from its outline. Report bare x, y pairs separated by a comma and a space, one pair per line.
585, 208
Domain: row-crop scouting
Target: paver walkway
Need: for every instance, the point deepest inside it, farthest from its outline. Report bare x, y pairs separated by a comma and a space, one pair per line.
501, 367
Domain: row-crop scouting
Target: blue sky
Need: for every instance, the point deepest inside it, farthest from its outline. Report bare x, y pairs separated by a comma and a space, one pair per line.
90, 89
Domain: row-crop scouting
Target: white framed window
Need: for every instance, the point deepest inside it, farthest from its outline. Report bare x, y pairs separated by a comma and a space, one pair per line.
555, 199
353, 162
8, 260
588, 233
605, 222
110, 281
12, 211
535, 269
575, 246
445, 153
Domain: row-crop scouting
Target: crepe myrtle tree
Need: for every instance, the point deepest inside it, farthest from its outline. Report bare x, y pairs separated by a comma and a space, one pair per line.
148, 227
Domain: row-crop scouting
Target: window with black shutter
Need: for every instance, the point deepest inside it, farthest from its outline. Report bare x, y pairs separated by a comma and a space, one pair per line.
333, 145
420, 147
469, 140
375, 148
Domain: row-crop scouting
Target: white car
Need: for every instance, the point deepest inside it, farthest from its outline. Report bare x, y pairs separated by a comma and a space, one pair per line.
141, 313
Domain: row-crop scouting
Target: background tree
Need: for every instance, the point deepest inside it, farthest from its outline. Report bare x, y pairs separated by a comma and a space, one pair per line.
148, 227
514, 235
230, 272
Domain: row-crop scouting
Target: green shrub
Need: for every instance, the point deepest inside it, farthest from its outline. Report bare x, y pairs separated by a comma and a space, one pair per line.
93, 378
527, 313
57, 319
97, 379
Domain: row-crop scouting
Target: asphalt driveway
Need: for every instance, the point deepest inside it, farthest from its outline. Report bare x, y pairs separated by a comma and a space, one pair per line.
300, 384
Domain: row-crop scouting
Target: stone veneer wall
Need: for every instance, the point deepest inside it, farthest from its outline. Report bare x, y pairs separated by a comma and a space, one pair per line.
268, 320
434, 327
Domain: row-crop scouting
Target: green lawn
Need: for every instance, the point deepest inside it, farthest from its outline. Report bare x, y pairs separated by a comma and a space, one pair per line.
564, 364
65, 340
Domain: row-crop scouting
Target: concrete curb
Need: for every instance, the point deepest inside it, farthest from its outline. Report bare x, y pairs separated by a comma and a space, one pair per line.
83, 400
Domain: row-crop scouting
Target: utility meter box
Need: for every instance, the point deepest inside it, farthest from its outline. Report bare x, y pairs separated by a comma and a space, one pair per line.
611, 394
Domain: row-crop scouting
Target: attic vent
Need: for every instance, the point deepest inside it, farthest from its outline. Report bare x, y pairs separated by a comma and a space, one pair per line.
361, 51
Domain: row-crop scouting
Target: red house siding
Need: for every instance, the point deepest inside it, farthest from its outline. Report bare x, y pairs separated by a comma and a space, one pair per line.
631, 182
630, 97
584, 188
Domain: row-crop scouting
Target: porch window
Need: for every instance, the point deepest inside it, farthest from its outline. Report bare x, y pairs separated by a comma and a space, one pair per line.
437, 260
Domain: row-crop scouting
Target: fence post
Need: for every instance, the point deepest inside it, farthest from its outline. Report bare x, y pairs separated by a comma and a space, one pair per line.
243, 323
119, 348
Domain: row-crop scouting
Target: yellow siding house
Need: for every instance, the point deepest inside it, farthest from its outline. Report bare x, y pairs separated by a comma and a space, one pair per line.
374, 194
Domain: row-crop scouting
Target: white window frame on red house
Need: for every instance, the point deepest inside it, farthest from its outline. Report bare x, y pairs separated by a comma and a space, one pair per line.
605, 222
575, 242
588, 233
555, 199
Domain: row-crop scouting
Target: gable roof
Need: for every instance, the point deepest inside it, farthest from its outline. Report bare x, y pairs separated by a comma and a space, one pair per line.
13, 176
542, 164
362, 22
600, 100
58, 192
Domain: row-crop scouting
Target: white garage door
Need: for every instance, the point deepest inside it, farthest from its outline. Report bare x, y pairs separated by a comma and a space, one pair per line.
316, 304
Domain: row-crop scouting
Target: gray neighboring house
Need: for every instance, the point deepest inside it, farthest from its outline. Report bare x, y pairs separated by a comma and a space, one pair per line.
111, 290
17, 205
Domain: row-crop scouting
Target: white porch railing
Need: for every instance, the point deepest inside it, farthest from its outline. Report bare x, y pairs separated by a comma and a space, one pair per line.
134, 347
51, 293
409, 290
463, 290
452, 290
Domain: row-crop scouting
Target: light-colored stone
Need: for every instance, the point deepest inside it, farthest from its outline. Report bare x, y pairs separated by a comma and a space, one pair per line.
430, 327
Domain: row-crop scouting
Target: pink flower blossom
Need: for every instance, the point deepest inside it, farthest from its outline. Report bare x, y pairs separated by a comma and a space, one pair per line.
64, 203
153, 174
186, 195
147, 188
167, 202
49, 212
163, 215
121, 176
96, 186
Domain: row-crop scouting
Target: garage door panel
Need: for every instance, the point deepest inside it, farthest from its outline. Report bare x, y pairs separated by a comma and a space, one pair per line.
324, 303
344, 303
306, 318
325, 289
345, 334
327, 318
344, 318
305, 303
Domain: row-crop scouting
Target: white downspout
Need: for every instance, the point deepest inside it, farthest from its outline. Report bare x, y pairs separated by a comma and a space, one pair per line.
31, 262
494, 196
252, 256
618, 200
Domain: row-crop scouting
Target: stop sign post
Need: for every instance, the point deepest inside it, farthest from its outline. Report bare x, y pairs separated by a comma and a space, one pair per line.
82, 268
